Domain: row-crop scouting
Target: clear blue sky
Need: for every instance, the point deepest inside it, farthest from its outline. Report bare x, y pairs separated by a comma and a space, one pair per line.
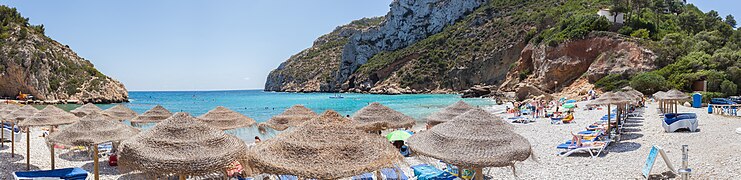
192, 45
205, 45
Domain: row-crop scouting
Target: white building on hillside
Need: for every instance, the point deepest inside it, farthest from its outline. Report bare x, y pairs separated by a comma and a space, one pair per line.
610, 16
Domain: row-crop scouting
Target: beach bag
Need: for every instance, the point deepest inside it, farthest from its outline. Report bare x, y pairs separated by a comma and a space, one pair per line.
113, 160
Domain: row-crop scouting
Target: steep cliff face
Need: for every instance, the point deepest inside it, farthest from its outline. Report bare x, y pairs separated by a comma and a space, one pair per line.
408, 22
551, 69
32, 63
314, 69
445, 46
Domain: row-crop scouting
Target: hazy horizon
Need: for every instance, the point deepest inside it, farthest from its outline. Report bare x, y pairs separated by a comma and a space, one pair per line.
204, 45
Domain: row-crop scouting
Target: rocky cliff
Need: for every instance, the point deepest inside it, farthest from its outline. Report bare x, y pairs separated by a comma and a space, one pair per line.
444, 46
33, 63
314, 69
551, 69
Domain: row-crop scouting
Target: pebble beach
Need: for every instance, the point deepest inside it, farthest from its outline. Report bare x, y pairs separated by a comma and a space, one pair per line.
714, 151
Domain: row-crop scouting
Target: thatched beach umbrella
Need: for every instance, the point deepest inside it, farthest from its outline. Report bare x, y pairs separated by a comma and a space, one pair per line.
448, 113
91, 130
181, 145
475, 139
156, 114
658, 96
16, 116
291, 117
327, 147
49, 116
608, 99
377, 117
225, 119
5, 111
120, 112
85, 110
675, 96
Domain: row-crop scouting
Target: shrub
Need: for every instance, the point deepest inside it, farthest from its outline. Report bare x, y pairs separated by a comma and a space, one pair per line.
612, 82
706, 96
728, 88
641, 33
648, 83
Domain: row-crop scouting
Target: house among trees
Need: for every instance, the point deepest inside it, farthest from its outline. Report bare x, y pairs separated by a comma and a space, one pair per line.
616, 17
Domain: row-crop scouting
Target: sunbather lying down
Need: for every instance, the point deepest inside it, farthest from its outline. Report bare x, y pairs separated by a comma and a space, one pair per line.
577, 140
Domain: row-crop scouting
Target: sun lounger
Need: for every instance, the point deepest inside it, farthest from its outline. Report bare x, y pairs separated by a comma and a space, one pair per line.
673, 122
427, 172
390, 174
6, 130
366, 176
66, 174
287, 177
572, 148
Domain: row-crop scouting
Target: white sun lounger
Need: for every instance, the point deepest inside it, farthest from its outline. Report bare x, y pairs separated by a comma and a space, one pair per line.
588, 149
7, 135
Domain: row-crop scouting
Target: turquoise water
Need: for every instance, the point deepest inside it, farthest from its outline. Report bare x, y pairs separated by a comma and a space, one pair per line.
261, 105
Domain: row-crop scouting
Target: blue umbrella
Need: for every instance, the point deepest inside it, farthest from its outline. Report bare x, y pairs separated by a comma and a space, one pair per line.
570, 101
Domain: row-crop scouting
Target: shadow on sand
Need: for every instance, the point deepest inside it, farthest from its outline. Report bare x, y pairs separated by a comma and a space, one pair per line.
105, 169
75, 156
9, 168
622, 147
630, 136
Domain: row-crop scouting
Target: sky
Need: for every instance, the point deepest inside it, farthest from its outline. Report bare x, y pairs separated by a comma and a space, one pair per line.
191, 45
205, 45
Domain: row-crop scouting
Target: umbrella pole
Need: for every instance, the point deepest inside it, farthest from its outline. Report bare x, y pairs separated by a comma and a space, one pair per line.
378, 174
12, 139
95, 162
226, 174
52, 149
182, 177
608, 120
479, 173
2, 133
28, 148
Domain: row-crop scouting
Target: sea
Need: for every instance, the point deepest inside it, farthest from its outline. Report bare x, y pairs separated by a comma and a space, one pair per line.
261, 105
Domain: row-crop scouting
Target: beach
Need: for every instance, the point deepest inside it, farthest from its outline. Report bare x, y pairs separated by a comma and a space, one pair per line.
713, 151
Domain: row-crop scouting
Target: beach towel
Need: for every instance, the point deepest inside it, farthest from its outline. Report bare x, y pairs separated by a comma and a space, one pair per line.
390, 174
66, 174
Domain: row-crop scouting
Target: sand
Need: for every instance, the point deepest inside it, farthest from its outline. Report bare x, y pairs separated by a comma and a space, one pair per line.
714, 151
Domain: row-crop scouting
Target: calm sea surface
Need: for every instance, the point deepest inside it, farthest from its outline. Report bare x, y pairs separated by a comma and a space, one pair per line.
261, 105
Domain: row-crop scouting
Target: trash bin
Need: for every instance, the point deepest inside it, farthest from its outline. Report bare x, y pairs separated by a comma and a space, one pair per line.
697, 100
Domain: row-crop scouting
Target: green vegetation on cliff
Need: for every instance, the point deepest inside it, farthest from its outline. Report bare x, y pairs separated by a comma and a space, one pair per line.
690, 46
33, 63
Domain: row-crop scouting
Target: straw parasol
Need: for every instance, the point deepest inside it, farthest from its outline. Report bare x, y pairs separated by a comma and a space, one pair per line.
5, 111
181, 145
674, 96
377, 117
291, 117
608, 99
16, 116
475, 139
120, 112
326, 147
448, 113
225, 119
85, 109
49, 116
93, 129
156, 114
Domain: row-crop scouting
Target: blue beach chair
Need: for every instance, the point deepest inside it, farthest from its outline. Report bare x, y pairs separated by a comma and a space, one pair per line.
427, 172
366, 176
287, 177
66, 174
390, 174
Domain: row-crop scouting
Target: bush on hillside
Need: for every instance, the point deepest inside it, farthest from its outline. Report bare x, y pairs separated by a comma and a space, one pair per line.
648, 83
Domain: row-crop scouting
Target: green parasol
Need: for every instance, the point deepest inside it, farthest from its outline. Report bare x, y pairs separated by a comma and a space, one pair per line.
569, 106
398, 135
